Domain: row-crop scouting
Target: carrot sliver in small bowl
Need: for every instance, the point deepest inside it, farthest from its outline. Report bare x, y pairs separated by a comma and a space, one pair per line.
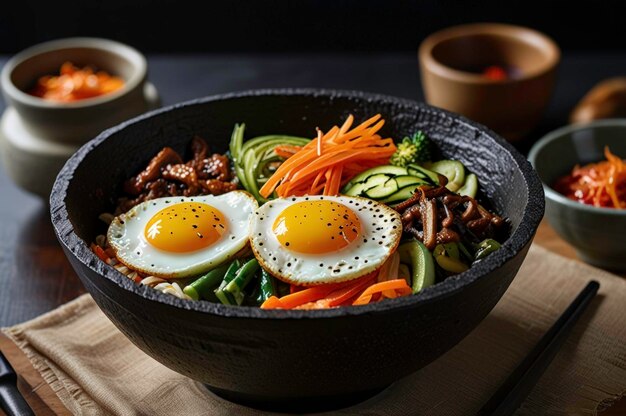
61, 94
584, 177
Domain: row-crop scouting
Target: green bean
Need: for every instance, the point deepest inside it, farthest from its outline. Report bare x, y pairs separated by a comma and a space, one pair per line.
243, 276
225, 297
486, 247
204, 286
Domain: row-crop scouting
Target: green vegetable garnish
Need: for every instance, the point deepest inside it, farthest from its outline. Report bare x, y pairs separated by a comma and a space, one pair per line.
224, 296
448, 258
413, 253
243, 276
204, 286
255, 160
486, 247
267, 288
414, 149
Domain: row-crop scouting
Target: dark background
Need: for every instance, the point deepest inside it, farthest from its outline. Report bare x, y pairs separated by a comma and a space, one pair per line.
172, 26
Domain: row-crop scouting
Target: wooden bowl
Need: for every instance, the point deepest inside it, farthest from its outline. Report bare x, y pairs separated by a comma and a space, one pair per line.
451, 60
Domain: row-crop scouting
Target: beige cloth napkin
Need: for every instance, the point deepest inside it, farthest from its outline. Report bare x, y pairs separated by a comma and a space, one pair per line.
95, 370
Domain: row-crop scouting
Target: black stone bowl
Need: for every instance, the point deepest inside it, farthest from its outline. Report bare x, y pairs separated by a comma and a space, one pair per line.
284, 357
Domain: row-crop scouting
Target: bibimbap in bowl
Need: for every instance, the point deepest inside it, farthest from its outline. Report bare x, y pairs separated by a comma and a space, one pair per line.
305, 253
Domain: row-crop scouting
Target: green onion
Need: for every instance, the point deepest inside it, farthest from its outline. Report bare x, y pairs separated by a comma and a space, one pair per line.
223, 296
243, 276
204, 286
267, 288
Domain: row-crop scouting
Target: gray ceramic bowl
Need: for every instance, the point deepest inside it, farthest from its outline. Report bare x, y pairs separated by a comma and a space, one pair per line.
292, 358
37, 136
597, 234
80, 121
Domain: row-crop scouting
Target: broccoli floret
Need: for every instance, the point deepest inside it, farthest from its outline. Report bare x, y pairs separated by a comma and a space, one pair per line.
414, 149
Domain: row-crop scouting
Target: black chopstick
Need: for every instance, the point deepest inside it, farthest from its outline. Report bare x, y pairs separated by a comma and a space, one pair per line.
11, 400
518, 385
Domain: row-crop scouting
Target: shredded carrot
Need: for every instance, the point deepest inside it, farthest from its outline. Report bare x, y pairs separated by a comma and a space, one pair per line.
286, 151
98, 251
331, 292
360, 291
330, 160
601, 184
272, 303
398, 286
311, 294
346, 293
319, 142
318, 304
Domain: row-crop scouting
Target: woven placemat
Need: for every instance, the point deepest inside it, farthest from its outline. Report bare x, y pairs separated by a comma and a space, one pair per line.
95, 370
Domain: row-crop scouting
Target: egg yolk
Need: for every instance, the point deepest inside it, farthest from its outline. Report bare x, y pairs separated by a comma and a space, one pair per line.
316, 227
185, 227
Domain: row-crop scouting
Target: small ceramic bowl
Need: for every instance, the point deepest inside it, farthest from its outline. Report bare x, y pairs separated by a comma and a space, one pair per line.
37, 136
451, 62
79, 121
597, 234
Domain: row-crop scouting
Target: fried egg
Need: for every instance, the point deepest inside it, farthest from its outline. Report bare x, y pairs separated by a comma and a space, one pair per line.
182, 236
312, 240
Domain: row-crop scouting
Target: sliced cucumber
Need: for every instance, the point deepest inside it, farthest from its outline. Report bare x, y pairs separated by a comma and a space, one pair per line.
470, 187
423, 173
401, 194
356, 190
375, 180
388, 170
383, 190
451, 169
406, 180
378, 181
361, 188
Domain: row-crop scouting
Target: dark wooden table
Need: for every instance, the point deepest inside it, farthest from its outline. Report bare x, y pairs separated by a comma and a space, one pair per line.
35, 276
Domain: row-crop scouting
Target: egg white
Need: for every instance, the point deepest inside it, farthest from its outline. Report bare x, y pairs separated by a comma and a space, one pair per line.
126, 236
381, 230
